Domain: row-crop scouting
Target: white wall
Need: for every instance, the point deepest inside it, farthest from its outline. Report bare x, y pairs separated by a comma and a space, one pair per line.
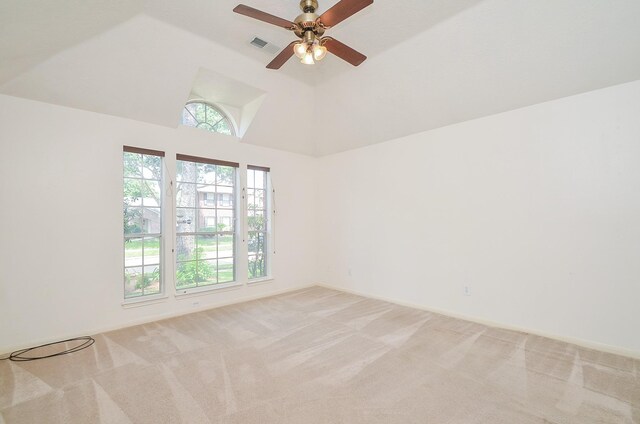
61, 228
537, 210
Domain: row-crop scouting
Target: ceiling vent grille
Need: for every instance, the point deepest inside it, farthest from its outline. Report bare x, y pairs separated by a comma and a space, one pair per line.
258, 42
266, 46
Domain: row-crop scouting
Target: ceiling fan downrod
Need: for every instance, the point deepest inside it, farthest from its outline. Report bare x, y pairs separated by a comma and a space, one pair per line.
308, 6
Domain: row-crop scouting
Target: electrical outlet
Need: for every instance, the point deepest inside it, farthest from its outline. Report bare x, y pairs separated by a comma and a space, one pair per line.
195, 303
349, 272
466, 291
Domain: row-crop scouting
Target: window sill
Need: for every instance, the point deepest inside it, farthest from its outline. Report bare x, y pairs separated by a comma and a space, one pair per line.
134, 303
260, 280
201, 291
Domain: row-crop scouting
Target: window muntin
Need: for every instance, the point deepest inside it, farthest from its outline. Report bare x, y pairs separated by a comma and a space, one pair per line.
205, 230
142, 221
208, 117
257, 221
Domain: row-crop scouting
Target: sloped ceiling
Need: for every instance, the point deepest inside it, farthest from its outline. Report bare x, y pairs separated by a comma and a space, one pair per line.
431, 62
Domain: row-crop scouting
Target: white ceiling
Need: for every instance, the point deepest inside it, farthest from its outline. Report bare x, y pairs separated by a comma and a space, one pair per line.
431, 62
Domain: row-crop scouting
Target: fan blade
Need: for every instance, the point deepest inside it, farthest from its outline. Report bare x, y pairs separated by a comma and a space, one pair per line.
343, 51
342, 10
282, 57
263, 16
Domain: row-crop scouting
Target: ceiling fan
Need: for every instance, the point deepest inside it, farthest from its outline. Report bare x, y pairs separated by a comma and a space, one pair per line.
310, 28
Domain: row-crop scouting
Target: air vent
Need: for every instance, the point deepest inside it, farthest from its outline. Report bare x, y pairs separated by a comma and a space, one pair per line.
258, 42
266, 46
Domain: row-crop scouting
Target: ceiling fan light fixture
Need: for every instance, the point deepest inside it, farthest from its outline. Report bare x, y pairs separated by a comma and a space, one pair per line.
319, 52
300, 49
308, 58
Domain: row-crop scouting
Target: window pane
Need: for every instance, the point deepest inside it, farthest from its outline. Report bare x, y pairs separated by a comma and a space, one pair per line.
186, 274
186, 195
226, 247
187, 118
251, 178
150, 282
226, 175
133, 252
257, 268
256, 243
259, 199
206, 173
192, 109
225, 270
223, 127
208, 200
207, 247
132, 164
152, 250
224, 200
212, 115
206, 196
256, 221
132, 191
132, 220
225, 220
200, 111
185, 220
185, 248
151, 220
185, 171
207, 272
152, 167
251, 200
225, 197
260, 179
207, 221
150, 193
132, 276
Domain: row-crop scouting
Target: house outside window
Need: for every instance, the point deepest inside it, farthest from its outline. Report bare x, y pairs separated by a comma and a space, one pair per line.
209, 199
224, 199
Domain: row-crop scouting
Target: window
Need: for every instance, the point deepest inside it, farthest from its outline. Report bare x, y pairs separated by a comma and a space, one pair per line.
224, 199
205, 231
209, 199
142, 214
208, 117
258, 221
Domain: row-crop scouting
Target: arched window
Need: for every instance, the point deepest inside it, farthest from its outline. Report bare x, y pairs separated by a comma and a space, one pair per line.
204, 115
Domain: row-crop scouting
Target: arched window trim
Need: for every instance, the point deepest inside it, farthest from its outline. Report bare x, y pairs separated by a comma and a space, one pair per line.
221, 110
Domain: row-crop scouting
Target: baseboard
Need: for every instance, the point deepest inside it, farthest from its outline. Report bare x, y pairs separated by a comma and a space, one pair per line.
602, 347
155, 318
579, 342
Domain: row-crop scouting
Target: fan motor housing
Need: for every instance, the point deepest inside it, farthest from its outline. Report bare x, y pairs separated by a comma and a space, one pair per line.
307, 22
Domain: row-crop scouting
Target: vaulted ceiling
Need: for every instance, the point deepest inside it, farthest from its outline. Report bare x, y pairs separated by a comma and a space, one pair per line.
431, 62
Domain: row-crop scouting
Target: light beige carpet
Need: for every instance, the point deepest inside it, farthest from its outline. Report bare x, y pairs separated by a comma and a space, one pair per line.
322, 356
